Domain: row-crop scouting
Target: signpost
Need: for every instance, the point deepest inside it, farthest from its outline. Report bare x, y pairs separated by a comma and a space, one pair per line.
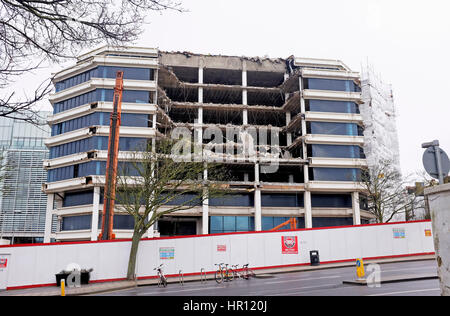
437, 165
436, 161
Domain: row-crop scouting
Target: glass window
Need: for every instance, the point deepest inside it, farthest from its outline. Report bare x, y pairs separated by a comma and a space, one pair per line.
331, 200
105, 95
281, 200
326, 128
191, 199
216, 224
245, 200
331, 84
231, 224
123, 222
78, 198
335, 151
105, 72
331, 106
71, 223
268, 223
97, 142
335, 174
99, 118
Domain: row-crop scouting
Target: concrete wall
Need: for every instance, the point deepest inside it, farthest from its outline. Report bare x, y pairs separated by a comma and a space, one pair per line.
439, 202
30, 266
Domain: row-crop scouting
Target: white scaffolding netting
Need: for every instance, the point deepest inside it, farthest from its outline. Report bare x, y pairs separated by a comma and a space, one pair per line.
380, 120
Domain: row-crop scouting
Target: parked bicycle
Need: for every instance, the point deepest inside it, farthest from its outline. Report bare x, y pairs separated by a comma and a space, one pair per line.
248, 273
223, 273
162, 280
243, 273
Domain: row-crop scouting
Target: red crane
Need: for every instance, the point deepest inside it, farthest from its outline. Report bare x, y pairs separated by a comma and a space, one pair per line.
112, 162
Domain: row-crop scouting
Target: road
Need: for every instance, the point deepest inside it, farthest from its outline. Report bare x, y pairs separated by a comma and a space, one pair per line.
325, 282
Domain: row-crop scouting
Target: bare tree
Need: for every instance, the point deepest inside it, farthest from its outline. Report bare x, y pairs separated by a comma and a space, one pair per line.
387, 193
34, 33
155, 183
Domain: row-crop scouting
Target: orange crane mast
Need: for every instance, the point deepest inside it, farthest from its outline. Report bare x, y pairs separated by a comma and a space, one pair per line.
292, 222
112, 162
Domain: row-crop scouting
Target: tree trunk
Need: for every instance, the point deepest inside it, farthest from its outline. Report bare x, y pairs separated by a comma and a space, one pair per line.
133, 256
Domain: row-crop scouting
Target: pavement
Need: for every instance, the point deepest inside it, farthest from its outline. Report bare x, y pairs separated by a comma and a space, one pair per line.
133, 287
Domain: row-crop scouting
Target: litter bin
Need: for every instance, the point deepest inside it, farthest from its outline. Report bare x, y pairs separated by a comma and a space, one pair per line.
314, 257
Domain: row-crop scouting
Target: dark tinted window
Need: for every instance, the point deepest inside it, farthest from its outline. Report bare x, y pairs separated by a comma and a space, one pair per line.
335, 151
331, 106
331, 84
335, 174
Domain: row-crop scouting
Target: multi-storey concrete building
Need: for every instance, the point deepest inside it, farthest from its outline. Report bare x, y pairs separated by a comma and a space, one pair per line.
22, 202
302, 113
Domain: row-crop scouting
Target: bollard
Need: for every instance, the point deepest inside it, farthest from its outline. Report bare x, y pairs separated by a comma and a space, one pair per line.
63, 287
181, 277
202, 275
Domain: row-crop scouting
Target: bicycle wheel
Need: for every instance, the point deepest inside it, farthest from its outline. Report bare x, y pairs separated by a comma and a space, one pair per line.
218, 276
163, 281
250, 274
230, 275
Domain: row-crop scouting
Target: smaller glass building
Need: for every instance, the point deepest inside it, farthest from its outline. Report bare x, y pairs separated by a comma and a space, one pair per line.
22, 202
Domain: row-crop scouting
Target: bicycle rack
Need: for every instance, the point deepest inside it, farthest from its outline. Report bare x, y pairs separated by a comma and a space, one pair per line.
181, 277
202, 275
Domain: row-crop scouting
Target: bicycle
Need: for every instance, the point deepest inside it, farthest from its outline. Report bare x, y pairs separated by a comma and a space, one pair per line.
238, 273
248, 273
243, 273
223, 273
162, 280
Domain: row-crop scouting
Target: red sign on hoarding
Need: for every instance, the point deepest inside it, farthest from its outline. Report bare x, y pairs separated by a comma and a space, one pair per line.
289, 245
222, 248
3, 263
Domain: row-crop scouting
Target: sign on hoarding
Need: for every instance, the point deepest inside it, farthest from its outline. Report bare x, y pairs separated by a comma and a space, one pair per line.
289, 245
166, 253
399, 233
221, 248
3, 263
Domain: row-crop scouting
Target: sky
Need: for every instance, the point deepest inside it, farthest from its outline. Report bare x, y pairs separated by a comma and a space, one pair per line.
406, 42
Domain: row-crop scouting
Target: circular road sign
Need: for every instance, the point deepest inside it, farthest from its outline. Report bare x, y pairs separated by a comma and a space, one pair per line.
430, 164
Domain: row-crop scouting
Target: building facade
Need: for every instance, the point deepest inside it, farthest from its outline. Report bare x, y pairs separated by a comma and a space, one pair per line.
300, 115
22, 203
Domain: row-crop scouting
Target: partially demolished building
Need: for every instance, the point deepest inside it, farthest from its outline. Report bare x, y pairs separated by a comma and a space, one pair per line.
300, 115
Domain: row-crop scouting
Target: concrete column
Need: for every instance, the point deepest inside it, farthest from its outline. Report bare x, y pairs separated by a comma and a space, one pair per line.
154, 122
205, 206
205, 215
95, 214
288, 121
200, 109
48, 218
244, 94
151, 231
356, 209
258, 210
308, 209
439, 205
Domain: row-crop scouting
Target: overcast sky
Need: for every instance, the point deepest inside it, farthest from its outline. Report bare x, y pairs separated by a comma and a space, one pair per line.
407, 42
